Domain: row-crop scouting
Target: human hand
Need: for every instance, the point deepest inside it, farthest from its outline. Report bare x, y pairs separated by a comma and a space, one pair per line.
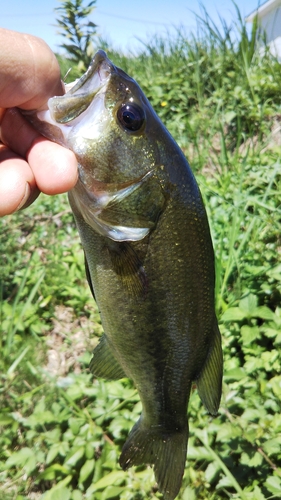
29, 163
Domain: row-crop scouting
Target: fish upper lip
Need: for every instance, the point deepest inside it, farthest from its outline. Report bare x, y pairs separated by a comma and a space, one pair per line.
101, 66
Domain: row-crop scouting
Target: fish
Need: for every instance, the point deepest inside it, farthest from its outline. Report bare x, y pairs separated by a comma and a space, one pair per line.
149, 259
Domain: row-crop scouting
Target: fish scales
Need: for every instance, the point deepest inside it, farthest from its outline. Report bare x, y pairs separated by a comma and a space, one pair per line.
149, 259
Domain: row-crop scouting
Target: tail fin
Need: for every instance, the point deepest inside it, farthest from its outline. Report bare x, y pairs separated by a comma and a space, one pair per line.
167, 452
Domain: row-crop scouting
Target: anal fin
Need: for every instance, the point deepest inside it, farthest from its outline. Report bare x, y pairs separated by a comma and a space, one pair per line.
209, 382
103, 364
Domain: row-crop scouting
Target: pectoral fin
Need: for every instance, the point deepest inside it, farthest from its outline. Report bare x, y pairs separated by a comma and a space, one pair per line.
128, 267
104, 364
209, 382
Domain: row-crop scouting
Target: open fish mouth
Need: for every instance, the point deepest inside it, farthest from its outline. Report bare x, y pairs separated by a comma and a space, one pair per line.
80, 96
95, 77
64, 109
79, 114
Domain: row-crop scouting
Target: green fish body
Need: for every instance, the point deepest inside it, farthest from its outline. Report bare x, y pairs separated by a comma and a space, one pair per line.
149, 260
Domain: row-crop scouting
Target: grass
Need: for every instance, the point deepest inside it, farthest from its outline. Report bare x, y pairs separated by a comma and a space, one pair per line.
61, 430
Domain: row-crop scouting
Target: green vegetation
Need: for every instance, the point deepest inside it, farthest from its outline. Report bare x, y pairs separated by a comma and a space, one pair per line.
78, 35
61, 430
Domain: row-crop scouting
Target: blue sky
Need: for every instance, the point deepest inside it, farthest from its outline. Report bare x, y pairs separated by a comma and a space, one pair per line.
120, 21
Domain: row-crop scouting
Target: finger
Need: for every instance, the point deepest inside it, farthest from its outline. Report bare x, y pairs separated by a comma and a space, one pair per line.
16, 132
17, 183
54, 167
29, 71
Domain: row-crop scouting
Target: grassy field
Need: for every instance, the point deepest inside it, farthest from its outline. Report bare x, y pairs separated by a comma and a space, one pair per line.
61, 430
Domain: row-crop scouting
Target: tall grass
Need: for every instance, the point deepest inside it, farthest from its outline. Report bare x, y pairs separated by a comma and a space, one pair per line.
209, 88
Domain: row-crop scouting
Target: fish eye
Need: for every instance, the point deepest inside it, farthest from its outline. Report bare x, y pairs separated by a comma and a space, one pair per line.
131, 116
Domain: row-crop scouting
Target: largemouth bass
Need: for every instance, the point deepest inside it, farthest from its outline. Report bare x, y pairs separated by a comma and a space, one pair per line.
149, 259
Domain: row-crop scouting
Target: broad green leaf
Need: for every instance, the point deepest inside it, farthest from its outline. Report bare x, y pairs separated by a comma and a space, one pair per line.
257, 494
59, 491
273, 484
212, 471
233, 314
272, 331
189, 494
107, 480
253, 414
54, 471
264, 312
275, 272
272, 446
53, 452
229, 116
30, 464
251, 460
249, 334
227, 432
89, 450
74, 456
77, 495
271, 360
198, 453
75, 425
235, 374
275, 383
256, 460
55, 493
86, 469
49, 473
112, 492
41, 418
249, 304
224, 482
52, 436
6, 419
20, 457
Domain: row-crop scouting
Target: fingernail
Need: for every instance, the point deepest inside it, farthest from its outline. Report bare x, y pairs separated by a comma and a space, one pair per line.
25, 198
